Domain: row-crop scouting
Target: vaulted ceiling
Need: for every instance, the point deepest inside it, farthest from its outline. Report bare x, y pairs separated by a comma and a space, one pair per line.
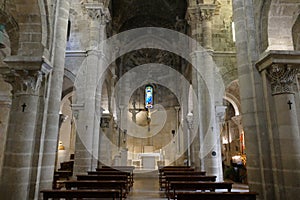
129, 14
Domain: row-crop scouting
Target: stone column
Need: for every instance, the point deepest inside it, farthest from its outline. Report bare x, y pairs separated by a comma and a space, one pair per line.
5, 106
207, 158
220, 114
89, 93
207, 12
189, 119
238, 121
210, 151
194, 20
258, 151
22, 135
49, 138
279, 70
178, 136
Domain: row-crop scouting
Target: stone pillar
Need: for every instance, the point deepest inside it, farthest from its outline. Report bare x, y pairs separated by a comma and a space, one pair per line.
104, 144
258, 151
49, 141
178, 136
279, 70
189, 119
220, 114
5, 106
89, 93
22, 135
207, 159
207, 12
238, 121
210, 150
194, 20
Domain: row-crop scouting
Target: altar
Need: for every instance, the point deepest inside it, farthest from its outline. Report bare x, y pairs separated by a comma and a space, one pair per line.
149, 160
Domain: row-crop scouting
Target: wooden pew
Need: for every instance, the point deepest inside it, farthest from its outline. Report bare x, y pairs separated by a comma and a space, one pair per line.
103, 171
69, 194
187, 178
163, 170
176, 186
96, 184
59, 176
102, 177
216, 195
118, 168
128, 174
168, 173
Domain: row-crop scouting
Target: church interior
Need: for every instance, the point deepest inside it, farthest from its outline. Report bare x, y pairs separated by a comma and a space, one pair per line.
203, 91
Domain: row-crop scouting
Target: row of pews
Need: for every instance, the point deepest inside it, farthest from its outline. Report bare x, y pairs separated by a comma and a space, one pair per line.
184, 183
105, 182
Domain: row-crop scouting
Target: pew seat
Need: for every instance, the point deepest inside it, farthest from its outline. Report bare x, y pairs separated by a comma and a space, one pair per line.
88, 193
98, 184
216, 195
176, 186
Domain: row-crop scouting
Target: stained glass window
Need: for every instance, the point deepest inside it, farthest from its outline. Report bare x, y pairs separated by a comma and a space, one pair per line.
149, 96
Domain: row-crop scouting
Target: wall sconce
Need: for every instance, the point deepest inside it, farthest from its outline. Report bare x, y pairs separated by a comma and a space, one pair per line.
61, 146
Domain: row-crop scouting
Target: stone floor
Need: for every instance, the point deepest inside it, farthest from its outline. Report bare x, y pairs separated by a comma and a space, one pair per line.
146, 187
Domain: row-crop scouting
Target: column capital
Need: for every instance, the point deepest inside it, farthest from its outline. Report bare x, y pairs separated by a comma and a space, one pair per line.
76, 108
24, 81
281, 68
26, 74
97, 11
193, 15
177, 108
207, 11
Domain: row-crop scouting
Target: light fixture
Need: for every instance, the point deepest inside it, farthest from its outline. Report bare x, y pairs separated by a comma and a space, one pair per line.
61, 146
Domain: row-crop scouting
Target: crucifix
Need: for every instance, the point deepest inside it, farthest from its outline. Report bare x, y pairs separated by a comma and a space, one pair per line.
23, 107
290, 104
134, 111
148, 119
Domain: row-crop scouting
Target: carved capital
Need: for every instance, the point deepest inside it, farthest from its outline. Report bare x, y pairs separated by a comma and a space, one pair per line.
97, 11
193, 16
207, 11
26, 74
24, 81
281, 68
282, 78
76, 108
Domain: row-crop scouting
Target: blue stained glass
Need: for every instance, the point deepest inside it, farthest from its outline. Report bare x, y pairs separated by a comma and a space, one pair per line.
149, 96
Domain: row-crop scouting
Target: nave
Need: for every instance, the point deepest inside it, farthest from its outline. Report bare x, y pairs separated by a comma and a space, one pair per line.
127, 182
146, 186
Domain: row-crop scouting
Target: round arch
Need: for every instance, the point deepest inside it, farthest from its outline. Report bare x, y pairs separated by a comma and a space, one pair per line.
281, 17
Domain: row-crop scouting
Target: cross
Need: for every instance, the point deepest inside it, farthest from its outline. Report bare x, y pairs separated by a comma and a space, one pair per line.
148, 119
290, 104
23, 107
